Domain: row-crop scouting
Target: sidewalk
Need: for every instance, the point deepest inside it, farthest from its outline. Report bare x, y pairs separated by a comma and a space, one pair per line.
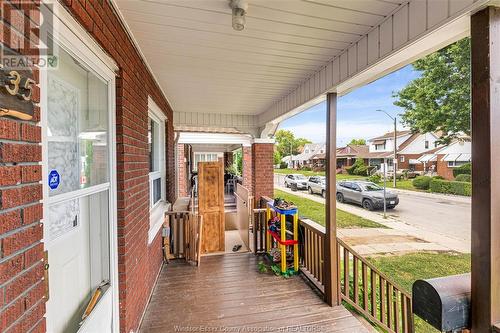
400, 237
436, 196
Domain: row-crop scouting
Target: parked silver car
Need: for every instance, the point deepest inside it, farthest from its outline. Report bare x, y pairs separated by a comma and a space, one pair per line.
367, 194
296, 181
317, 184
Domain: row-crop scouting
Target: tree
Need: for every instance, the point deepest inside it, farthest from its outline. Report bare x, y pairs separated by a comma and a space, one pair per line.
276, 157
359, 142
439, 100
286, 142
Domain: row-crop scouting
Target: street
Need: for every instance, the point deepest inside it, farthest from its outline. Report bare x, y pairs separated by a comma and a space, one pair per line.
431, 214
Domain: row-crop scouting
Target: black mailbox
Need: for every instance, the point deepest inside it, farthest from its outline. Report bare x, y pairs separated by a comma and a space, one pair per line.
444, 302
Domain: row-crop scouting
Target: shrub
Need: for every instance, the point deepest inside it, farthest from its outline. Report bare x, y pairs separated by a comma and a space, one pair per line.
463, 178
437, 177
376, 178
422, 182
451, 187
306, 168
283, 165
361, 171
358, 168
465, 169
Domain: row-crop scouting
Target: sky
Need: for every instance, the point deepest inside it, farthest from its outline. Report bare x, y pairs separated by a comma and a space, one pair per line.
356, 115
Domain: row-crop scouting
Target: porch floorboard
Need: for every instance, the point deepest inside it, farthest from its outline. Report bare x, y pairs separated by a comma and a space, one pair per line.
228, 294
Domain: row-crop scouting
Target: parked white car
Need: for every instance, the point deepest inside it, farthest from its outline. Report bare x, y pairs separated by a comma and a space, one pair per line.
296, 181
317, 185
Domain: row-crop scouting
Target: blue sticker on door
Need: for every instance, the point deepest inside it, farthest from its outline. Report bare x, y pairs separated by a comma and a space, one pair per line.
54, 179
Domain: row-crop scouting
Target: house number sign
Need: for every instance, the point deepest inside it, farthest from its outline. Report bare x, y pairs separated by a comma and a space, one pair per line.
16, 92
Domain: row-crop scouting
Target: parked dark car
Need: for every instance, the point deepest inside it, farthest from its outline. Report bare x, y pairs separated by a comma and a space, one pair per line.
367, 194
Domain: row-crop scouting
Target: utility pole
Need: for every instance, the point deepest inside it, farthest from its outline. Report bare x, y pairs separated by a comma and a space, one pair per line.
395, 160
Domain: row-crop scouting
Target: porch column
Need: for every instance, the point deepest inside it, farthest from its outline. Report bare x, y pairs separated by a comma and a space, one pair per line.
332, 296
181, 171
263, 169
485, 59
247, 172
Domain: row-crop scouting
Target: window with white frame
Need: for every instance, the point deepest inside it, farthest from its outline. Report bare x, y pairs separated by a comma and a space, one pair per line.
402, 159
157, 167
454, 164
204, 157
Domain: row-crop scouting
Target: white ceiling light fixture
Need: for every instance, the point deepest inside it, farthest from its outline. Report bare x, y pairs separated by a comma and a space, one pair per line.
239, 8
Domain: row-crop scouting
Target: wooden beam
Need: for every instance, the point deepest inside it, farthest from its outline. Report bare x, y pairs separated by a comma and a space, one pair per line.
485, 60
332, 294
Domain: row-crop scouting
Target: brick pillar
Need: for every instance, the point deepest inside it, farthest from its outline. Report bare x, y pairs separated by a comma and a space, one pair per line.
263, 170
181, 170
247, 168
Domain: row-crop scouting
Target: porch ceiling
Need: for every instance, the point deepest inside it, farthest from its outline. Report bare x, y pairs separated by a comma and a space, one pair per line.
203, 65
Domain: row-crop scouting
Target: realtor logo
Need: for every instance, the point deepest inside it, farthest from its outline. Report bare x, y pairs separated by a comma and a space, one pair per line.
54, 179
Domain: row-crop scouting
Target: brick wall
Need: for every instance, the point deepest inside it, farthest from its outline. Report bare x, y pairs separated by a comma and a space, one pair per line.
138, 263
263, 171
247, 172
22, 288
181, 170
443, 170
406, 163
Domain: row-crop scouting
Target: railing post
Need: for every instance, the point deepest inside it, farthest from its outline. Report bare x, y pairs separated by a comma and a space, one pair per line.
332, 294
485, 78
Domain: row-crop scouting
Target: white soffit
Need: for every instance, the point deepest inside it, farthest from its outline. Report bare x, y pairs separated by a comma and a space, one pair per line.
215, 139
203, 65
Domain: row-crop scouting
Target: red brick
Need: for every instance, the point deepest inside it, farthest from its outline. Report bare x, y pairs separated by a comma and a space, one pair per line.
14, 152
31, 173
21, 239
23, 282
33, 255
17, 196
10, 221
9, 129
10, 175
11, 268
11, 314
31, 133
29, 319
32, 213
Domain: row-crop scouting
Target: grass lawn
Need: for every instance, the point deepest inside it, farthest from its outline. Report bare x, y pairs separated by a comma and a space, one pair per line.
316, 211
406, 269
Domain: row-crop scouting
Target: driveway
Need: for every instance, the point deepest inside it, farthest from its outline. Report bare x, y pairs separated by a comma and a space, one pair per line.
434, 217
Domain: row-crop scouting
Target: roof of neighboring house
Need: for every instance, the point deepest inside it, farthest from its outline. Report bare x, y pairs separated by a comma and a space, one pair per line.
360, 151
312, 148
319, 157
390, 135
407, 142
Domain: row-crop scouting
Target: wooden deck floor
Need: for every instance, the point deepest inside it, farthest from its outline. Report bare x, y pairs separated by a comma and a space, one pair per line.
228, 294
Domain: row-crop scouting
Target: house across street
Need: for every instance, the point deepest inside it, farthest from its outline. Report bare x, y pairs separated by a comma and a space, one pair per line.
447, 219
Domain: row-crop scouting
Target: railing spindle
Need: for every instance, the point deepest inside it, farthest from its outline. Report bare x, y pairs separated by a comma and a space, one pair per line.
373, 293
355, 273
364, 275
346, 273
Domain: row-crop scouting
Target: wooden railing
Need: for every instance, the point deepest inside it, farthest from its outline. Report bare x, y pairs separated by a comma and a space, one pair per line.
311, 240
372, 293
360, 284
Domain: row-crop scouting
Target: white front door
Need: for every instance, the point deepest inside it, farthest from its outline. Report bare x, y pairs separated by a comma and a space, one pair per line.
79, 184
